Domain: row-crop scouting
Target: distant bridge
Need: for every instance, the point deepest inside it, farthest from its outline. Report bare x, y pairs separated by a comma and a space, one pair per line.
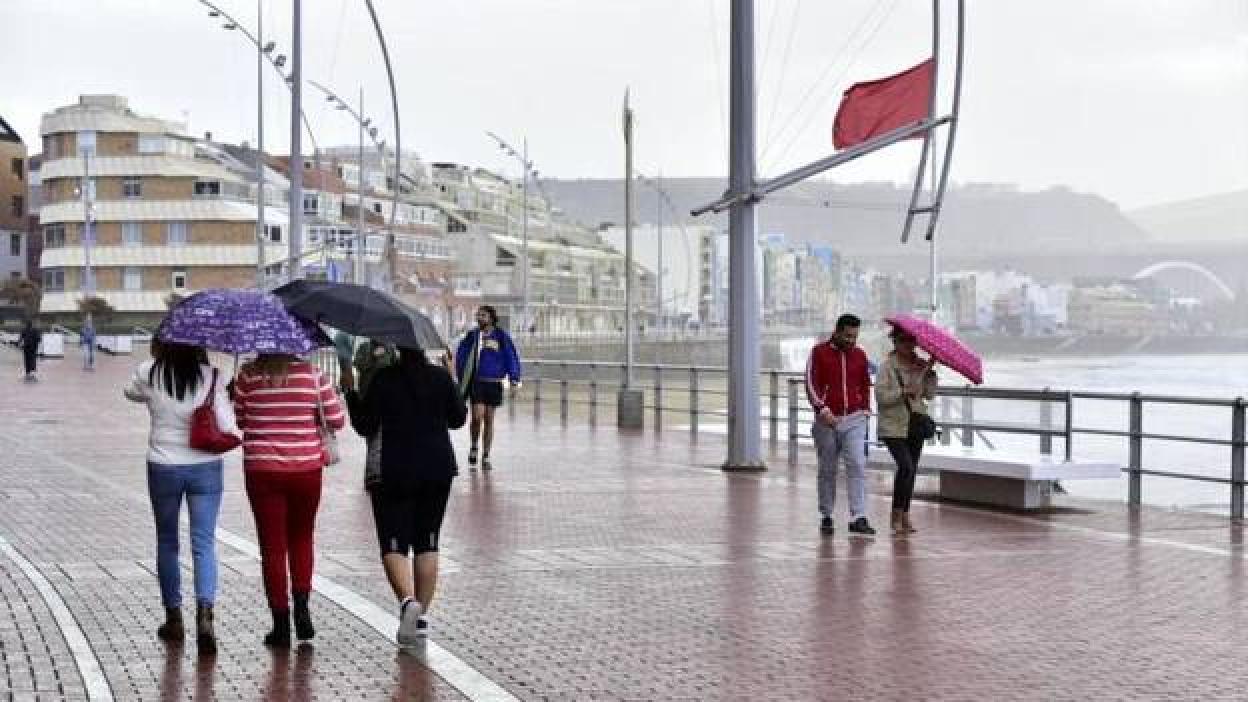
1207, 274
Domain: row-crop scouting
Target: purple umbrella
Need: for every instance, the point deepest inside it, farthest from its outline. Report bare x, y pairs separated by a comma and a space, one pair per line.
239, 321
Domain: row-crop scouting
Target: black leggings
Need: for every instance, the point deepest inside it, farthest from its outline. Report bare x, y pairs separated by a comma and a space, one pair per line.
906, 455
30, 358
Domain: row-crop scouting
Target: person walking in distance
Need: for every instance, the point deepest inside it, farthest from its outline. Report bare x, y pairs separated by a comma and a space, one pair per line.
29, 340
281, 402
485, 359
172, 385
415, 404
838, 386
906, 383
87, 338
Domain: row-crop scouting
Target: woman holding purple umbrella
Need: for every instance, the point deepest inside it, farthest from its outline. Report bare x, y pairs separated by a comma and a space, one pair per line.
283, 405
281, 402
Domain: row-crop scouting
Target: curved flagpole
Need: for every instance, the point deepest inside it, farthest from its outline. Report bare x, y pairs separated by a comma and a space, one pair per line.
920, 174
389, 250
953, 124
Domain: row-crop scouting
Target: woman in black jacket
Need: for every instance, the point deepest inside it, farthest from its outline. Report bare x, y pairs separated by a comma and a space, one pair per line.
414, 404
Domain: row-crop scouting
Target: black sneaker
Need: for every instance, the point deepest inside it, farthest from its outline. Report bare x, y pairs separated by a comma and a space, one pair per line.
861, 526
472, 456
825, 526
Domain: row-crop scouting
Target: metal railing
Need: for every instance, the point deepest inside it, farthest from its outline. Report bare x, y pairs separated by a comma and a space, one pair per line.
699, 392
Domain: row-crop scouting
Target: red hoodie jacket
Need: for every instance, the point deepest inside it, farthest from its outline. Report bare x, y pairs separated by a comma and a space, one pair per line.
838, 380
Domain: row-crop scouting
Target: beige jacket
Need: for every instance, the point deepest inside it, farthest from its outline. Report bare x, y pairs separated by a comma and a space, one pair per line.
894, 420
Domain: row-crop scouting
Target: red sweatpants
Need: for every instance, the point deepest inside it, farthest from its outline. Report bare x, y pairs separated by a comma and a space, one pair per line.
284, 505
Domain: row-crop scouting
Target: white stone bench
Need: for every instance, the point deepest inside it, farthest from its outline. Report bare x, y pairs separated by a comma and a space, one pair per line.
1000, 478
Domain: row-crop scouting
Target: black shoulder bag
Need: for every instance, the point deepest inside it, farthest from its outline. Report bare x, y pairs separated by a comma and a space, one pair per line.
922, 427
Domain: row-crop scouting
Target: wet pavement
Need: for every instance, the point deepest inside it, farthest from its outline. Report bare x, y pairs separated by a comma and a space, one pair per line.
593, 565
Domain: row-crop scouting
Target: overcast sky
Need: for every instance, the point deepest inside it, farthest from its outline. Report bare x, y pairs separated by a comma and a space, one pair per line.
1142, 101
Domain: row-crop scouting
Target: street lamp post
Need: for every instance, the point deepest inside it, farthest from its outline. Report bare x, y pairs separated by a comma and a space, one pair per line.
262, 234
361, 239
661, 322
630, 401
390, 250
524, 235
88, 204
527, 168
365, 128
296, 145
264, 50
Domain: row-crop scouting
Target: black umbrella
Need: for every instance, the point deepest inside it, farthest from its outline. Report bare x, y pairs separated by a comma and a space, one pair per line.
361, 311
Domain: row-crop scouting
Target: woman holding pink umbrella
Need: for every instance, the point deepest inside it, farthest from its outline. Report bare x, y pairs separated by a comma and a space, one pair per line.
904, 385
906, 382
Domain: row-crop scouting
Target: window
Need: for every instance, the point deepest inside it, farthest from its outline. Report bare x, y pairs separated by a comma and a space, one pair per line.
131, 234
275, 233
15, 244
86, 143
310, 204
151, 144
132, 187
132, 278
207, 188
54, 236
176, 233
17, 206
53, 279
179, 279
18, 169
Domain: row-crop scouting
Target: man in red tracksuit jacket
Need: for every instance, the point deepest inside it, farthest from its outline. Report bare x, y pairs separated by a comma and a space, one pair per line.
838, 386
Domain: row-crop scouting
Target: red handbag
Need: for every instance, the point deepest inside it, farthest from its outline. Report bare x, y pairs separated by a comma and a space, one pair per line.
206, 435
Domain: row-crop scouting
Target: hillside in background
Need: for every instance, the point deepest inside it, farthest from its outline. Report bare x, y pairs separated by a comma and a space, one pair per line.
1216, 218
865, 220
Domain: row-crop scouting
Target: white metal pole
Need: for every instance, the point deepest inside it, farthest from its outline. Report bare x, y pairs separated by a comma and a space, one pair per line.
628, 244
661, 321
296, 146
933, 290
361, 240
88, 273
390, 248
524, 233
743, 333
261, 229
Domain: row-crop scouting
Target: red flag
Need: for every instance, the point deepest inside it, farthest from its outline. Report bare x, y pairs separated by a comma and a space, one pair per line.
879, 106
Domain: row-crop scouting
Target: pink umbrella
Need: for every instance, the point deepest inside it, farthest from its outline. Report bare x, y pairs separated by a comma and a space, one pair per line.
946, 348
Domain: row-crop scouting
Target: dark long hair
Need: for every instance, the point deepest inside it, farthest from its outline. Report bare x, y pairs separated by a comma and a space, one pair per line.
177, 367
412, 359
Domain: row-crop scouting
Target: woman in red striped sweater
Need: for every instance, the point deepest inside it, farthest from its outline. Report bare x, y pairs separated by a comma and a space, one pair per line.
277, 399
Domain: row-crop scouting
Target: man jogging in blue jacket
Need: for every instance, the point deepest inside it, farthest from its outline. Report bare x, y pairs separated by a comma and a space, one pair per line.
486, 357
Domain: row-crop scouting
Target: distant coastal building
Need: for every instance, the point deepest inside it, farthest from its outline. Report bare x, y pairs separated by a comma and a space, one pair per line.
1114, 309
166, 221
576, 279
13, 194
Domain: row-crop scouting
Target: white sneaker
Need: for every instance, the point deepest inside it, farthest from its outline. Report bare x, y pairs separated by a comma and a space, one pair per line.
409, 633
422, 627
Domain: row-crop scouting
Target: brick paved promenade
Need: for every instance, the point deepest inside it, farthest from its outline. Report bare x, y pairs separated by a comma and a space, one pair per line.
590, 566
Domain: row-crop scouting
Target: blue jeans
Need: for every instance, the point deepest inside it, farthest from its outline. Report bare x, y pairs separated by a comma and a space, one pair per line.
202, 485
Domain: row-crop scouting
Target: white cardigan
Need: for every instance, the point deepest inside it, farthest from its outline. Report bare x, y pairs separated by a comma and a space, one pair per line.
169, 441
